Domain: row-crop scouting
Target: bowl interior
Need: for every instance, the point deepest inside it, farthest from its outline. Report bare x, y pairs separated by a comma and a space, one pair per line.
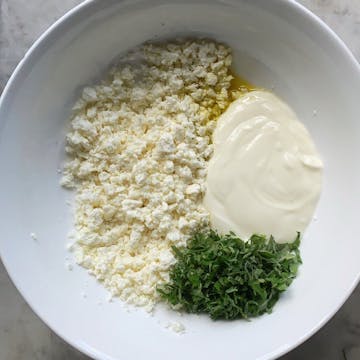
276, 45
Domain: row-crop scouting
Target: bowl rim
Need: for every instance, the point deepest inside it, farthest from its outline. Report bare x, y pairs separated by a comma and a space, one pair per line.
292, 5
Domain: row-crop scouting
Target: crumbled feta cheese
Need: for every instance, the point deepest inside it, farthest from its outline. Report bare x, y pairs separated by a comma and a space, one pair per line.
176, 327
193, 190
139, 145
68, 266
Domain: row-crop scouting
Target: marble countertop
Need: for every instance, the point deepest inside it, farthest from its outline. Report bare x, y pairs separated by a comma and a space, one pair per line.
23, 335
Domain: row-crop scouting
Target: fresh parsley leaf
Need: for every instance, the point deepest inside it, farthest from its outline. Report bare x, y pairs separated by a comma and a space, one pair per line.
229, 278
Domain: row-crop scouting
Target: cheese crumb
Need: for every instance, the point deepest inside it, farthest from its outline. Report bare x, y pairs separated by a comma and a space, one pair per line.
68, 266
139, 145
176, 327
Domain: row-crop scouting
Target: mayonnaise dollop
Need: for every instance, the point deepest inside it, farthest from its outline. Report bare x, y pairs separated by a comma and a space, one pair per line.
265, 175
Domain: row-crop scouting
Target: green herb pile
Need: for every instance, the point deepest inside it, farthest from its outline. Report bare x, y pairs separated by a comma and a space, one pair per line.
229, 278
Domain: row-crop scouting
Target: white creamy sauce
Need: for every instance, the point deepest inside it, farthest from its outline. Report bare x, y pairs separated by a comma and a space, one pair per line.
265, 175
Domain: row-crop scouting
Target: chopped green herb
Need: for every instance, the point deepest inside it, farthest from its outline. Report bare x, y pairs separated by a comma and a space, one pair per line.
229, 278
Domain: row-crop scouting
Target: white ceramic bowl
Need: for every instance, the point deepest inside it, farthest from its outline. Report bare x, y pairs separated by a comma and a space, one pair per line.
277, 44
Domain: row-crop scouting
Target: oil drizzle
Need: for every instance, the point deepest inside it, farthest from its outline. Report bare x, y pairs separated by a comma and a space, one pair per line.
239, 84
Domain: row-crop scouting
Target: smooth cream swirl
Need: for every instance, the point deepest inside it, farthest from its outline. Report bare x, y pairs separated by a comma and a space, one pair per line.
265, 175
